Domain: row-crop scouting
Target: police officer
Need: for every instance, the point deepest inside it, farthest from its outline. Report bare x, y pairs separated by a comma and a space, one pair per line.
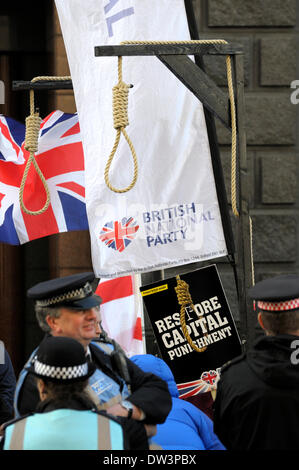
257, 402
67, 307
66, 418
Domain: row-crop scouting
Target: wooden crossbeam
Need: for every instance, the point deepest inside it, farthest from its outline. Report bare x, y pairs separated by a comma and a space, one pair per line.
19, 85
201, 85
169, 49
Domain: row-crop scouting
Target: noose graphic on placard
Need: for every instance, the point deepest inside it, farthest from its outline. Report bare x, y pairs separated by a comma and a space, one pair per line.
185, 300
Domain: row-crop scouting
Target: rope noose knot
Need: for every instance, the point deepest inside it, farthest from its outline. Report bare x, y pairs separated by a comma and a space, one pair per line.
120, 105
184, 299
183, 294
32, 132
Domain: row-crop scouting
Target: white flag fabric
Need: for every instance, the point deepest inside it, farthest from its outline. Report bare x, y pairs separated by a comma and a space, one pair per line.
171, 216
122, 312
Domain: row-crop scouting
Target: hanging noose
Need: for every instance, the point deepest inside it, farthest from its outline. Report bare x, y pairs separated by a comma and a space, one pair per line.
33, 122
185, 300
121, 120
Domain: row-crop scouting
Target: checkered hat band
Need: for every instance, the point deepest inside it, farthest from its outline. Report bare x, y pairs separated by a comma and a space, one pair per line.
279, 306
63, 373
76, 294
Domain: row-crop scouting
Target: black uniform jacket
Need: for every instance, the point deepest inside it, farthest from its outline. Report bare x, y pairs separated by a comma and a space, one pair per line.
148, 392
257, 402
7, 389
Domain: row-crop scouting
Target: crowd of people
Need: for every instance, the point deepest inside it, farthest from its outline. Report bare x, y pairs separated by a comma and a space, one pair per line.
79, 391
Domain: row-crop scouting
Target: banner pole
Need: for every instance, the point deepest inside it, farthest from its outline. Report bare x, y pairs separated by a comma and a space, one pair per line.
139, 305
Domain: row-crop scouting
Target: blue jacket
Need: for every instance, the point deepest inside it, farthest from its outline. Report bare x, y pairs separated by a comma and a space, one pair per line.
186, 427
7, 388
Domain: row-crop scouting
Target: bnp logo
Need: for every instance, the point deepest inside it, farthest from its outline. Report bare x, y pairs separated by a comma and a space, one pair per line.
119, 234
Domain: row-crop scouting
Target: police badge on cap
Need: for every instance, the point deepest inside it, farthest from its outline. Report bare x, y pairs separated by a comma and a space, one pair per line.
277, 294
73, 291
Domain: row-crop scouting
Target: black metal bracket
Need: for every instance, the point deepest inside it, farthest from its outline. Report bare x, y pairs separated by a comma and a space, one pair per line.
20, 85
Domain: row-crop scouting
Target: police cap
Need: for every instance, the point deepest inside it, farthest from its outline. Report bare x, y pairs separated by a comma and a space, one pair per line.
73, 291
277, 294
62, 360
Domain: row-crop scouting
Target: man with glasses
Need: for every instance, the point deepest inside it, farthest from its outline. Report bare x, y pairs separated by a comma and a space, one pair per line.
67, 307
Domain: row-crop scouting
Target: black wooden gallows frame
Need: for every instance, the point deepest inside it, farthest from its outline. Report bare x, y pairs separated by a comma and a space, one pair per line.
216, 104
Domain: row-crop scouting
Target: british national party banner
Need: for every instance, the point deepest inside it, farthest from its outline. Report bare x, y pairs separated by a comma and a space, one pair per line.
197, 344
171, 215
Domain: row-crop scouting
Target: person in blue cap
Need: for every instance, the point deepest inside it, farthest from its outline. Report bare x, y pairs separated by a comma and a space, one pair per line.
257, 401
186, 427
66, 306
66, 418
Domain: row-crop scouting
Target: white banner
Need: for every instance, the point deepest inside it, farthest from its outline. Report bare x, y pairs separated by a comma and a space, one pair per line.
171, 216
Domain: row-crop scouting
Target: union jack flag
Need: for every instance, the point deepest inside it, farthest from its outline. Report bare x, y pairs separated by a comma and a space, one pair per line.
118, 235
60, 158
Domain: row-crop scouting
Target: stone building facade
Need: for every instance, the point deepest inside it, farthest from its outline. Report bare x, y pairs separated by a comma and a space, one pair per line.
268, 31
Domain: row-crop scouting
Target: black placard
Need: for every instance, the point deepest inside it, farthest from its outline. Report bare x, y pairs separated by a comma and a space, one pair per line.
210, 325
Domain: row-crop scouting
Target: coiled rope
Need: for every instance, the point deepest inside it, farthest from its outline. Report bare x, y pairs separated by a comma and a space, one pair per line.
185, 300
31, 145
120, 105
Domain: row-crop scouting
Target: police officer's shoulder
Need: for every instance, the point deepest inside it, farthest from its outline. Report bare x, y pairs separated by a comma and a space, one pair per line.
116, 419
15, 420
232, 362
104, 346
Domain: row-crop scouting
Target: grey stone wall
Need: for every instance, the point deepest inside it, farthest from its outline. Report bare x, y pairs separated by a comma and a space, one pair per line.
268, 32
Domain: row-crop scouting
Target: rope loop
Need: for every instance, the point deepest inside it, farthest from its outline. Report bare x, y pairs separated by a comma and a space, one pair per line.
184, 299
33, 122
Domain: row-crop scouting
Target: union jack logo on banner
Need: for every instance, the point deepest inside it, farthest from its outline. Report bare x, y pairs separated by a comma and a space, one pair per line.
206, 383
209, 377
60, 158
118, 235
